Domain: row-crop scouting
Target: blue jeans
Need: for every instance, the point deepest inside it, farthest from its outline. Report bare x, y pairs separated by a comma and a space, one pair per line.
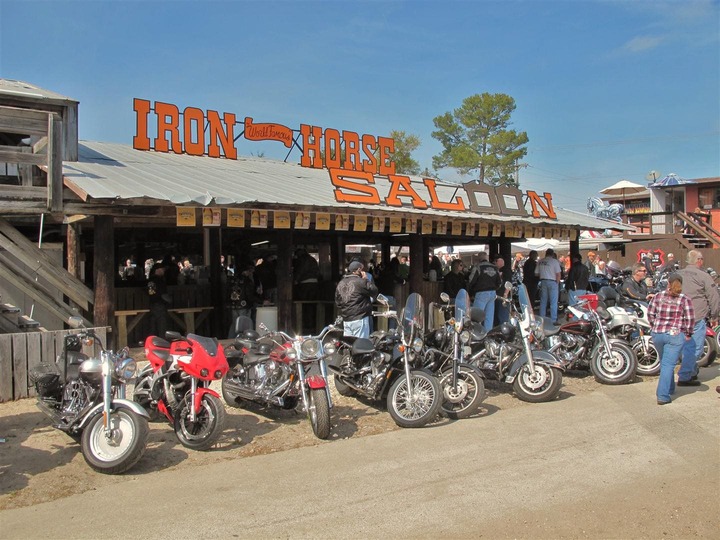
485, 300
359, 328
549, 291
668, 348
691, 352
573, 296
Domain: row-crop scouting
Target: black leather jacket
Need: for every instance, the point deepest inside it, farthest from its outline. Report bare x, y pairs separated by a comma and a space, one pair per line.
353, 297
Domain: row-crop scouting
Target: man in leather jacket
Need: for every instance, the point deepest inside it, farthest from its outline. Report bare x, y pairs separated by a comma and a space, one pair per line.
353, 297
634, 286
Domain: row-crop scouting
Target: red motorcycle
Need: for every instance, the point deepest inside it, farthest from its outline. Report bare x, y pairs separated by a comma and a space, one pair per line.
177, 385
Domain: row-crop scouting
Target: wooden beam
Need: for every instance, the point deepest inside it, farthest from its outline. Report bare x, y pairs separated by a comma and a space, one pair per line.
54, 163
23, 121
16, 154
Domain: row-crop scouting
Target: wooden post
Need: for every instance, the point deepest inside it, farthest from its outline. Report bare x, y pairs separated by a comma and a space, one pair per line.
416, 262
212, 243
104, 272
73, 250
284, 280
55, 160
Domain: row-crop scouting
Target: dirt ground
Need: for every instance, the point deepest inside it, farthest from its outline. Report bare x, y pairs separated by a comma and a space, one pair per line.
39, 463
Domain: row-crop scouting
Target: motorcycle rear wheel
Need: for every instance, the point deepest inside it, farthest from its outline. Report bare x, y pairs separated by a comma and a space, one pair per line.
123, 449
706, 356
423, 407
465, 400
538, 387
617, 368
142, 396
342, 388
231, 399
319, 413
208, 426
648, 363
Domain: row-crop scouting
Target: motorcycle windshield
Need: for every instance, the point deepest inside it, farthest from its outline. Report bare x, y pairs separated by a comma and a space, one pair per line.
413, 318
462, 303
524, 300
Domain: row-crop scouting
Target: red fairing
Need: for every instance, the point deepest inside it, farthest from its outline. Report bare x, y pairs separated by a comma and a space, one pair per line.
198, 354
709, 331
157, 351
316, 381
199, 395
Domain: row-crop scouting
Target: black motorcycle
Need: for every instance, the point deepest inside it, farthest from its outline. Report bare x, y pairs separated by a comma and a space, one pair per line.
504, 353
389, 366
462, 384
85, 397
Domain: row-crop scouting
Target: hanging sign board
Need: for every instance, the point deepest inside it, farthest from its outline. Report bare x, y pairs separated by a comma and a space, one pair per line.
185, 216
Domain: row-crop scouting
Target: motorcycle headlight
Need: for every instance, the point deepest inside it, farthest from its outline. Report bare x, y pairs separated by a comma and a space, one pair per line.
125, 369
417, 344
291, 353
330, 348
310, 347
465, 336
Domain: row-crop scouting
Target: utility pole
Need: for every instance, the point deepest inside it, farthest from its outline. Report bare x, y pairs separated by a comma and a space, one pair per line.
518, 166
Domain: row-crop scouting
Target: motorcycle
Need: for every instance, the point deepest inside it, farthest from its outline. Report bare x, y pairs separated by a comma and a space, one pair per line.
274, 370
176, 385
505, 352
389, 366
85, 397
583, 342
711, 347
462, 384
629, 322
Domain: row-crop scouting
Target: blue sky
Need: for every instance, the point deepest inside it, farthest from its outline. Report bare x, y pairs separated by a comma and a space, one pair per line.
605, 90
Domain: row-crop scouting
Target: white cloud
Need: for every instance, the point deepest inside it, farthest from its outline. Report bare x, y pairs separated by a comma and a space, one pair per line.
642, 44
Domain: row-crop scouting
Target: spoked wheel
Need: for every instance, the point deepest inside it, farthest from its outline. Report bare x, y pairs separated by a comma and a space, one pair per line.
319, 413
122, 448
416, 404
542, 384
464, 398
207, 427
648, 362
618, 367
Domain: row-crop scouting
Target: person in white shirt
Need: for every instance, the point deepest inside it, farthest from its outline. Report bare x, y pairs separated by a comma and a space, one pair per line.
549, 272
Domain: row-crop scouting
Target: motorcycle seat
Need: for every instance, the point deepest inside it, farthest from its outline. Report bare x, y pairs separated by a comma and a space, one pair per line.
362, 346
163, 354
549, 329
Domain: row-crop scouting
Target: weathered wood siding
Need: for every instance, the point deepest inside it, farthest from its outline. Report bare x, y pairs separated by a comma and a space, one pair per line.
19, 353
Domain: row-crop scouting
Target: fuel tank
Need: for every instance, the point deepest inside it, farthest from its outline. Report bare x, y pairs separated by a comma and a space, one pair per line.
577, 327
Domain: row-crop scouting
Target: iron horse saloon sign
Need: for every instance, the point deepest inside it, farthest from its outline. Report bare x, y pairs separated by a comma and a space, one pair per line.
352, 160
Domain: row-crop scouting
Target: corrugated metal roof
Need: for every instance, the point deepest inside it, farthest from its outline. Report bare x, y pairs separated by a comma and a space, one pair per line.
109, 171
29, 91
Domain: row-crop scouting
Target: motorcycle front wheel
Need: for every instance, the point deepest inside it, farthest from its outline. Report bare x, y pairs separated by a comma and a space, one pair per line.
342, 388
540, 385
618, 367
319, 413
207, 427
122, 448
465, 398
416, 404
648, 362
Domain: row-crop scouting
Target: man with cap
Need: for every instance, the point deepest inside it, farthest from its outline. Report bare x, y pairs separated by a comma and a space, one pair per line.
669, 265
700, 288
549, 272
353, 298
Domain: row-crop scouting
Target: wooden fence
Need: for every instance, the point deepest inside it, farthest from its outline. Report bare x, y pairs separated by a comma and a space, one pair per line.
19, 353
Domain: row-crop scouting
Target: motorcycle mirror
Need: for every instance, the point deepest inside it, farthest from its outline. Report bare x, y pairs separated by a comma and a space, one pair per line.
445, 297
508, 286
382, 299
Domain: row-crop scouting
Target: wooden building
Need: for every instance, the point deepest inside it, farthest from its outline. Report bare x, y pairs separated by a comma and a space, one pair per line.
102, 201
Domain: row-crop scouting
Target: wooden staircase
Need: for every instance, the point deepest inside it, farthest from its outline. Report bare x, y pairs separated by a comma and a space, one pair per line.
698, 233
21, 263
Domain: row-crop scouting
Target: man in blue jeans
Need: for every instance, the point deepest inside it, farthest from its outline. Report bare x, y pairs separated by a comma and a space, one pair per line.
549, 272
700, 288
483, 282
